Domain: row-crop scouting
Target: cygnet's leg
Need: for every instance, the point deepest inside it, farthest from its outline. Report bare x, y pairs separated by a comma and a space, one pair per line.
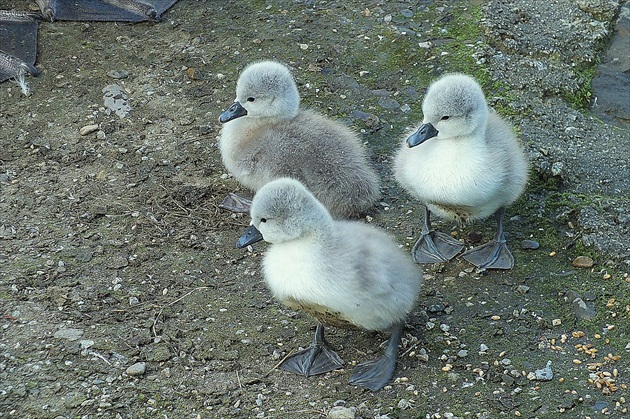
433, 246
236, 202
494, 254
376, 373
316, 359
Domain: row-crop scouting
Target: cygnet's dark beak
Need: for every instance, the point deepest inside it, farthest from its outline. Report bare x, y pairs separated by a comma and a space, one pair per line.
425, 132
251, 236
233, 112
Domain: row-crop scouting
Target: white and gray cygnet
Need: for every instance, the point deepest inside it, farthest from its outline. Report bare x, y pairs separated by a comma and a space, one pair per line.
465, 163
266, 136
343, 273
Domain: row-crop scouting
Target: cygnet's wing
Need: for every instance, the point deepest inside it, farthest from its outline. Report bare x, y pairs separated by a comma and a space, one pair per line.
18, 44
105, 10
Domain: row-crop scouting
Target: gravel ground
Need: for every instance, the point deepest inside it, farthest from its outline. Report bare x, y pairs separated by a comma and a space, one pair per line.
122, 294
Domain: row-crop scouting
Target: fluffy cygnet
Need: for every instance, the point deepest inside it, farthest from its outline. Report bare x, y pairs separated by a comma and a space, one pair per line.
266, 136
464, 163
344, 273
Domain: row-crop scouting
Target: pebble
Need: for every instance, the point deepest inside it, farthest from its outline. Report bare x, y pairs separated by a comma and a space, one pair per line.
522, 289
435, 308
88, 129
544, 374
557, 168
86, 343
483, 348
341, 412
462, 353
583, 310
530, 244
388, 103
116, 100
118, 74
583, 262
137, 369
70, 334
133, 301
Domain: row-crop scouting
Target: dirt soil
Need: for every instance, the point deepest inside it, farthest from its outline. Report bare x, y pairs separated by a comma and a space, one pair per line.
122, 294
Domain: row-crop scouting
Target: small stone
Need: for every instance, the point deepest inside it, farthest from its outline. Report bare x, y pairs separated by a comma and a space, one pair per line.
583, 310
462, 353
88, 129
388, 103
424, 356
557, 168
522, 289
69, 334
341, 412
133, 301
483, 348
507, 379
137, 369
118, 74
474, 237
435, 308
544, 374
86, 343
530, 244
583, 262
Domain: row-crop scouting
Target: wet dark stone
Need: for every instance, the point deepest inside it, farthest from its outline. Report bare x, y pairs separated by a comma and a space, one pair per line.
474, 237
530, 244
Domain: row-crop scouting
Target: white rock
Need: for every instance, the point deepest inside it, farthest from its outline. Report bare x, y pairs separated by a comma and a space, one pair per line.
137, 369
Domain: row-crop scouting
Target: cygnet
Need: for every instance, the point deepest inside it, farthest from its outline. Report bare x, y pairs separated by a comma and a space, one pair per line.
343, 273
266, 136
465, 163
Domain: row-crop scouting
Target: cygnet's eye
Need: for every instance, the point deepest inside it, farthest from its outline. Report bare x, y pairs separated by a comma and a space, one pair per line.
263, 220
445, 117
251, 99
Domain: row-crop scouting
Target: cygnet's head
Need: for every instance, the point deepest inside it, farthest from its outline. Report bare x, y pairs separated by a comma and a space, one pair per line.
284, 210
264, 89
454, 106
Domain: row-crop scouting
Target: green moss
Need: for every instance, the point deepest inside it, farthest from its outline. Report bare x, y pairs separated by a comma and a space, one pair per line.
581, 97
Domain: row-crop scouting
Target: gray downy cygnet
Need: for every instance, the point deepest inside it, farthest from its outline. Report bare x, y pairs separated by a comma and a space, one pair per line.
343, 273
266, 135
464, 163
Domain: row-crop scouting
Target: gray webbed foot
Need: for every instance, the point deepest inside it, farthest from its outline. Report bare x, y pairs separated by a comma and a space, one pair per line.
236, 203
433, 246
494, 254
314, 360
376, 373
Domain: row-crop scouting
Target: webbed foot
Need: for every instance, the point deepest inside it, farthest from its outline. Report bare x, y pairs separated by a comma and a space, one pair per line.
236, 203
492, 255
376, 373
316, 359
435, 247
